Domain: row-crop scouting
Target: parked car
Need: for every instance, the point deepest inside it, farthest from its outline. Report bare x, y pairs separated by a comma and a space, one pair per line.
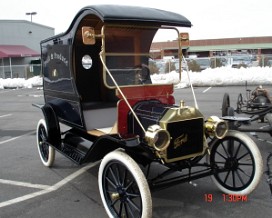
198, 64
204, 63
240, 61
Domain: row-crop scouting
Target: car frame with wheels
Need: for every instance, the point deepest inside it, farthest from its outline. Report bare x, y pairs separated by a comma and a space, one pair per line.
106, 100
256, 107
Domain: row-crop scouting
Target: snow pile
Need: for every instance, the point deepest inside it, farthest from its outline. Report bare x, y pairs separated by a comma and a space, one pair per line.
219, 77
230, 76
20, 82
209, 77
172, 77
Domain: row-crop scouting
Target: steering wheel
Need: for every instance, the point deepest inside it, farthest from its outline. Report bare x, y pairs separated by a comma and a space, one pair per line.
142, 74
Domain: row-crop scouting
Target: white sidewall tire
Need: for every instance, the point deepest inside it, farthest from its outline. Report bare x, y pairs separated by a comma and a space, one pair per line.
51, 153
258, 164
138, 175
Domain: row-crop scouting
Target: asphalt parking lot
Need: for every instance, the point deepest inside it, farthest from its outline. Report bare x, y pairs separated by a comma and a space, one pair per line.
28, 189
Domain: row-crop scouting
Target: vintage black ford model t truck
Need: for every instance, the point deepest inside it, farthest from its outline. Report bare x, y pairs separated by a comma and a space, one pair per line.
106, 99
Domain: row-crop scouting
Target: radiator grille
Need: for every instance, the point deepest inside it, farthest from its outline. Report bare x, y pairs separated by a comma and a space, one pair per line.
187, 138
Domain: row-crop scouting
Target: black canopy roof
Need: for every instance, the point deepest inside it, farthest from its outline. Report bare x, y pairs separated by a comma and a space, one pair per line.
122, 13
117, 13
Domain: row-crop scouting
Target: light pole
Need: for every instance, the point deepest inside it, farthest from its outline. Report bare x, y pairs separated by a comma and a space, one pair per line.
31, 14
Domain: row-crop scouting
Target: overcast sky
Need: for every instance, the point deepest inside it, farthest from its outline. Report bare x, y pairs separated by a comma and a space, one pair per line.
211, 19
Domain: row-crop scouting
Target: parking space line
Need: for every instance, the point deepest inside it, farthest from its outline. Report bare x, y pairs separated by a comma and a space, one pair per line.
7, 90
50, 188
24, 184
5, 115
207, 89
264, 140
14, 138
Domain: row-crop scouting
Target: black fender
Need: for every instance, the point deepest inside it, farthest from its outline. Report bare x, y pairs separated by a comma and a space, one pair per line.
54, 136
102, 146
105, 144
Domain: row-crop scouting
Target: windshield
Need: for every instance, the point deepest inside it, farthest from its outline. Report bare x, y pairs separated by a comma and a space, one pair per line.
134, 57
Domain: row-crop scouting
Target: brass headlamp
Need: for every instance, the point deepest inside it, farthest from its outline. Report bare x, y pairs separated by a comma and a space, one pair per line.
214, 126
157, 137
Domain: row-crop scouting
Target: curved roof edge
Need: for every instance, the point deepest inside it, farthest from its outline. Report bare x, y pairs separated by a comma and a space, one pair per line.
121, 13
113, 13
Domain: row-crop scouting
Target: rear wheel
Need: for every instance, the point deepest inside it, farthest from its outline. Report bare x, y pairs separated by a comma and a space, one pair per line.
238, 163
239, 103
46, 152
225, 105
123, 187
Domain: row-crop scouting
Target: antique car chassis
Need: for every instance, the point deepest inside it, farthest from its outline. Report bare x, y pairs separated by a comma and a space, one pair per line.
256, 107
100, 68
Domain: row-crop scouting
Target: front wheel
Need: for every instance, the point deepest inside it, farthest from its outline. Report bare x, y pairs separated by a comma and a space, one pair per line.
123, 187
46, 152
237, 163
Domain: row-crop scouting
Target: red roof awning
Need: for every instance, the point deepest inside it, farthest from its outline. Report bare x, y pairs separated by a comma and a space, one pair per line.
7, 51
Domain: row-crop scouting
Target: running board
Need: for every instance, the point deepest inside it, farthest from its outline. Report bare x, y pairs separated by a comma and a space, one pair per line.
72, 153
75, 148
